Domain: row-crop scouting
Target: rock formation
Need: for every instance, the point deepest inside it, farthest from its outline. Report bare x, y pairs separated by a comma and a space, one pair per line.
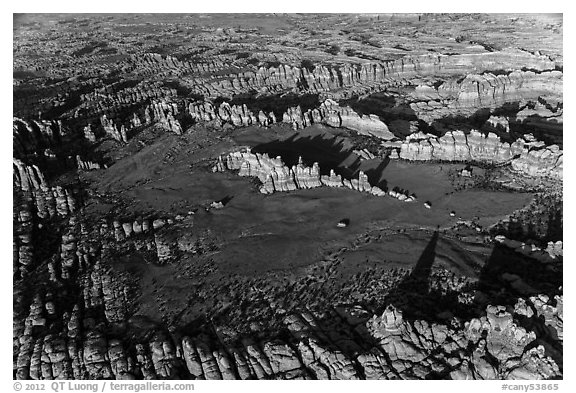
330, 113
132, 261
465, 97
276, 176
552, 252
527, 156
237, 115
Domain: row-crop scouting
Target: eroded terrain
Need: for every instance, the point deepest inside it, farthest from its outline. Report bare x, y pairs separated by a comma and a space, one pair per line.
288, 196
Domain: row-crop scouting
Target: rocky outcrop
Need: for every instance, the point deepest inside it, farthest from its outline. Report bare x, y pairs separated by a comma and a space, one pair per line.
334, 115
237, 115
115, 101
116, 95
346, 343
552, 312
457, 146
98, 295
465, 97
164, 248
272, 172
346, 80
500, 123
276, 176
555, 249
154, 64
541, 161
101, 288
27, 177
416, 348
307, 177
23, 223
88, 165
32, 136
364, 154
89, 133
48, 201
111, 129
546, 114
527, 156
410, 346
164, 113
329, 113
551, 253
54, 200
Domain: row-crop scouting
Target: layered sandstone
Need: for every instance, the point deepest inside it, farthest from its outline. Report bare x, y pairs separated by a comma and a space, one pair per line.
276, 176
334, 115
526, 155
486, 91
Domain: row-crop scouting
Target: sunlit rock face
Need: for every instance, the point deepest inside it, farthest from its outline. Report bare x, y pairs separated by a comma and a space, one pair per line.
334, 115
275, 176
487, 91
530, 157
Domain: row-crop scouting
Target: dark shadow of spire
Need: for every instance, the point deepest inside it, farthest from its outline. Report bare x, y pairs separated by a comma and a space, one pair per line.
412, 294
508, 275
421, 271
374, 174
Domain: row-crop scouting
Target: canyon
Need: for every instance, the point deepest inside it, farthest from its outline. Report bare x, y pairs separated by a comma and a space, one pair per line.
288, 196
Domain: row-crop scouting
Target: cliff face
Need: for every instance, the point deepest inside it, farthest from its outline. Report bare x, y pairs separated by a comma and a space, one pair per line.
276, 176
32, 136
486, 91
329, 113
342, 81
527, 156
334, 115
237, 115
428, 102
